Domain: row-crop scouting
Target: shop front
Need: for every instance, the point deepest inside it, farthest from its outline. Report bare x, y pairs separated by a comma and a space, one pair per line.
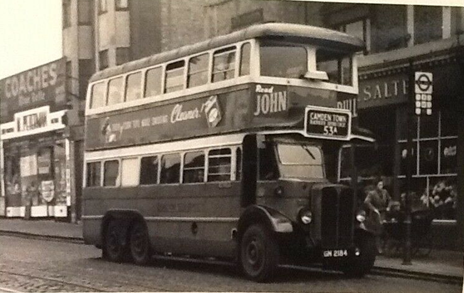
383, 109
35, 146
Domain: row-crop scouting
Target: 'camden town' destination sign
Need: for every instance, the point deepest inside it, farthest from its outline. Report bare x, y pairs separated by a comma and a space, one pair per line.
255, 107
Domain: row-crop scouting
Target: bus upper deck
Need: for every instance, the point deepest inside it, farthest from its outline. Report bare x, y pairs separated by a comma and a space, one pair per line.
241, 81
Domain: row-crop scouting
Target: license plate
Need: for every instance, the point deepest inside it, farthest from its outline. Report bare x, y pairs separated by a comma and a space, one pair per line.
335, 253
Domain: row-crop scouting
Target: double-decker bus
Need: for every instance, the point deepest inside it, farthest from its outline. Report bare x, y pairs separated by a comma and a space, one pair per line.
228, 148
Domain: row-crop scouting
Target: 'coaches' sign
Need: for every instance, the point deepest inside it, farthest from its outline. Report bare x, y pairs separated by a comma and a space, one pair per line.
324, 122
40, 86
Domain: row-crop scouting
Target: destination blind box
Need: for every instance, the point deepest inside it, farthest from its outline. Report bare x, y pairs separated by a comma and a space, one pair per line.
327, 122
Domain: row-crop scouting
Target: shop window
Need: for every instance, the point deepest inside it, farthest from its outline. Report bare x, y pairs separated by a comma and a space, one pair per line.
238, 160
224, 64
428, 157
428, 126
153, 82
403, 129
111, 173
149, 170
404, 159
194, 167
198, 70
122, 55
170, 169
448, 156
94, 174
245, 55
128, 176
276, 63
448, 124
104, 61
134, 86
441, 197
66, 13
98, 97
84, 12
219, 165
115, 91
428, 22
174, 77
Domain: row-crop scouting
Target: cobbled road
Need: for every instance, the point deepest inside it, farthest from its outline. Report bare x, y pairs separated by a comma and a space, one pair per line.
30, 265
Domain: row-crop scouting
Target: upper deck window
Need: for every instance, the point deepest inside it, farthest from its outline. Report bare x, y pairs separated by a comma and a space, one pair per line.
133, 87
224, 64
337, 65
98, 97
174, 77
245, 59
198, 70
115, 91
153, 82
283, 60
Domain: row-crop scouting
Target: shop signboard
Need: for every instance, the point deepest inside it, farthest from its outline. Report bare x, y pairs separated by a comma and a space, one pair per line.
33, 88
383, 91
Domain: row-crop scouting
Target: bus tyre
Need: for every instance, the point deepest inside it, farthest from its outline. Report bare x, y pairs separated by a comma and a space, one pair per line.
259, 253
139, 243
363, 264
113, 249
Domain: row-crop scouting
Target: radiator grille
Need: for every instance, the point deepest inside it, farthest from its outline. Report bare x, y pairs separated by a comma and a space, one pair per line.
337, 217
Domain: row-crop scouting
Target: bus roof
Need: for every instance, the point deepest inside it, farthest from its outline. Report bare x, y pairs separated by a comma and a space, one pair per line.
292, 32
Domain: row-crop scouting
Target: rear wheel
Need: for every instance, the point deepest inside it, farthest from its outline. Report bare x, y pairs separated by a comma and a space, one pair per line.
114, 249
259, 253
139, 243
362, 265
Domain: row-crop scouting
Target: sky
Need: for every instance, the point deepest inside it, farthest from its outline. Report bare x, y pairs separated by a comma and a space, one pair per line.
30, 34
30, 31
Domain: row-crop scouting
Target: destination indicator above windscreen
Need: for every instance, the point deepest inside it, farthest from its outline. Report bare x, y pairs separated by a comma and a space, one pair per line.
326, 122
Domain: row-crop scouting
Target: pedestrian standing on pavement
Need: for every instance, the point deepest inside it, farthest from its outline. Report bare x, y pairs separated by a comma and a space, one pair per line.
378, 200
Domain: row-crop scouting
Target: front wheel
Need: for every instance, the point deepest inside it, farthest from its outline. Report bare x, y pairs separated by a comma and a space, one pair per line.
362, 264
259, 253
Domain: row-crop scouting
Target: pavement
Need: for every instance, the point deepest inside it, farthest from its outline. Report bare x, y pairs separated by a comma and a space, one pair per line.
440, 265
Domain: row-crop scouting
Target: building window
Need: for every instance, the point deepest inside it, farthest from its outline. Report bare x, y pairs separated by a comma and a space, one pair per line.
153, 81
134, 86
359, 29
66, 13
219, 165
84, 12
224, 64
245, 54
194, 167
111, 173
102, 6
428, 22
198, 70
86, 69
94, 174
174, 77
115, 91
149, 170
170, 169
104, 61
122, 55
121, 4
98, 97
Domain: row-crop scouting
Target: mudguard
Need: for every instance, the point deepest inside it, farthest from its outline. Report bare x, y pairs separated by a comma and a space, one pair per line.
372, 224
273, 219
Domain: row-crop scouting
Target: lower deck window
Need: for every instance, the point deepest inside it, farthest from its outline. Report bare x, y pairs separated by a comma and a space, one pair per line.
149, 170
93, 174
194, 167
219, 165
170, 169
111, 173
